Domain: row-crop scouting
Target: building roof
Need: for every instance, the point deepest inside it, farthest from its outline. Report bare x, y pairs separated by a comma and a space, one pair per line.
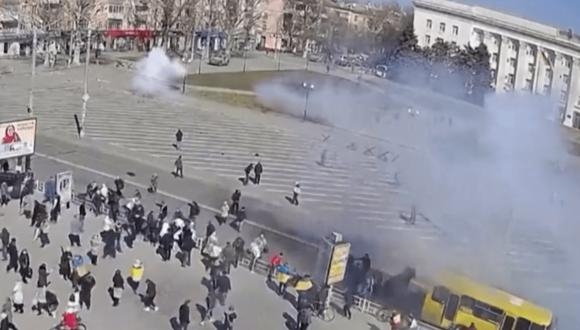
505, 21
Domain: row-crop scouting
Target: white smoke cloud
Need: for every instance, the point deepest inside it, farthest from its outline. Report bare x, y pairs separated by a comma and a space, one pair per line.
489, 177
157, 74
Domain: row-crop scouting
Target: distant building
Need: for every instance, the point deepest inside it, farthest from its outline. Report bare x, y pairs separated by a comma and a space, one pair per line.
525, 55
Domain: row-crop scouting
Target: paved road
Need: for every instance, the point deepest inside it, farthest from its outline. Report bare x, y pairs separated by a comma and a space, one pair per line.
174, 285
222, 140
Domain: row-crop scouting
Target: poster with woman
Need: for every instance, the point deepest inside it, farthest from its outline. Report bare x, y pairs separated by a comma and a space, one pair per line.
18, 138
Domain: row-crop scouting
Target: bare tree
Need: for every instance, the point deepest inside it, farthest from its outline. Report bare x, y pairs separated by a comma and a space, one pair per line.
79, 15
168, 14
253, 12
187, 23
303, 20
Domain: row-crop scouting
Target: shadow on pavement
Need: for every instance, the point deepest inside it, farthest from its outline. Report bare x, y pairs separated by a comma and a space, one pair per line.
373, 327
174, 323
201, 310
290, 322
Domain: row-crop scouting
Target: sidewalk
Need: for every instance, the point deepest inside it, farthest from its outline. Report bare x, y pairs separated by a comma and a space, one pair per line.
174, 285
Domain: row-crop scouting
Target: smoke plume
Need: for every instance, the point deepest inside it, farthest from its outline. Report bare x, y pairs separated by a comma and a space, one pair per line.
496, 180
157, 74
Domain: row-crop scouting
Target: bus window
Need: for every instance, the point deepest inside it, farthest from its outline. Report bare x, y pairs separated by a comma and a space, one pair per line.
451, 307
440, 294
537, 327
467, 302
523, 324
508, 323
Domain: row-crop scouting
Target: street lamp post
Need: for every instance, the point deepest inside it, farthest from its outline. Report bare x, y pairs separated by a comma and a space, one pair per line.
85, 97
32, 75
245, 58
309, 87
30, 109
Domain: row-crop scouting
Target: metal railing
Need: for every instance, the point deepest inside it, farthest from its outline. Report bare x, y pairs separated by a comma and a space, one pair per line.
262, 267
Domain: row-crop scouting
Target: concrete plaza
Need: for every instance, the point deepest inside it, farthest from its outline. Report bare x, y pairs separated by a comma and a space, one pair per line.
126, 133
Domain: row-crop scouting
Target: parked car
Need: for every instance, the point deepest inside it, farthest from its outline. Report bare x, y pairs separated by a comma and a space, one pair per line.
381, 71
221, 59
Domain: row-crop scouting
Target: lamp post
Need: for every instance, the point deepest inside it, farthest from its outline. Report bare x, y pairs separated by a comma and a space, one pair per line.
308, 87
85, 97
245, 58
32, 75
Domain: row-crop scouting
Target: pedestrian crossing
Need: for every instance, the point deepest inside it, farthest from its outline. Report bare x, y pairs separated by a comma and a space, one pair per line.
222, 143
354, 184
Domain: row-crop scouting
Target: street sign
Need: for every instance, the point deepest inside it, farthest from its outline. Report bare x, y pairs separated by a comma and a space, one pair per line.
64, 182
338, 263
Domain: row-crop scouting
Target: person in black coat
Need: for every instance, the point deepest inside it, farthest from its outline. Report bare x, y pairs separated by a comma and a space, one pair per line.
149, 297
24, 264
42, 277
184, 316
118, 287
224, 286
87, 283
193, 210
165, 245
235, 201
258, 173
109, 239
5, 240
348, 303
64, 267
82, 211
247, 172
239, 250
12, 256
187, 244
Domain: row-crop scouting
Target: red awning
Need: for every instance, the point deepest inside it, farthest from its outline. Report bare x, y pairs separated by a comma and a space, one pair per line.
118, 33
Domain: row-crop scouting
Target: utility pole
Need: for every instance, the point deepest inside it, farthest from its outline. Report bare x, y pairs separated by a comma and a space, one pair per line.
277, 43
85, 97
30, 110
32, 75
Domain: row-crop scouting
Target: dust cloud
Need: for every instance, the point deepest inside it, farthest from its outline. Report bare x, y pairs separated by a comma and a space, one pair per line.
497, 181
158, 75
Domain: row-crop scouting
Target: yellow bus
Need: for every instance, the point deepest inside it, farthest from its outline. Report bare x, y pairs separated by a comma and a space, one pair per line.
459, 301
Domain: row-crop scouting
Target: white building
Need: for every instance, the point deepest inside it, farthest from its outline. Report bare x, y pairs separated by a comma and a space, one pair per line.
525, 55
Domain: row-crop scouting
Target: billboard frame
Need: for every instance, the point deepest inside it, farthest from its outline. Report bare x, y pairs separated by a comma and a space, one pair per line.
35, 119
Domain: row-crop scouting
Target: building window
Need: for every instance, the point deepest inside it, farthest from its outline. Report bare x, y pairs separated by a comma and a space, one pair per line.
563, 96
494, 57
492, 73
439, 40
531, 67
511, 79
442, 27
115, 9
546, 90
512, 61
566, 79
355, 18
427, 40
528, 85
455, 30
566, 63
429, 23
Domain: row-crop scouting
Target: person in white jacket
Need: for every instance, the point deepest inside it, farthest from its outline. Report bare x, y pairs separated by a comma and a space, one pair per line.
224, 212
18, 298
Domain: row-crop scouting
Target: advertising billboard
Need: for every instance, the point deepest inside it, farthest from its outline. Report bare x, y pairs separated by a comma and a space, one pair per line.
18, 138
338, 263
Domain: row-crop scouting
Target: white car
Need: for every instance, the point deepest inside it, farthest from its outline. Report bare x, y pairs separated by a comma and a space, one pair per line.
381, 71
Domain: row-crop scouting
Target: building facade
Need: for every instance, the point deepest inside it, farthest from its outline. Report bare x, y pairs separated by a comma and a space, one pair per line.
525, 56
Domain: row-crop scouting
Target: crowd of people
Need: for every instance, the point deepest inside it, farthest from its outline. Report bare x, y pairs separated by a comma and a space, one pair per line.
124, 221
